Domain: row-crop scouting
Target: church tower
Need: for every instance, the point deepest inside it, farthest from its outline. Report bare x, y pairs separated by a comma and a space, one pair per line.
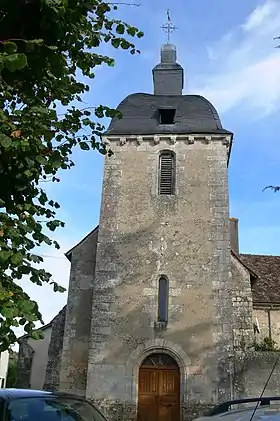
161, 325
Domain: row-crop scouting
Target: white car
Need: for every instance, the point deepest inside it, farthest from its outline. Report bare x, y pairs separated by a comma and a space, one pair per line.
252, 409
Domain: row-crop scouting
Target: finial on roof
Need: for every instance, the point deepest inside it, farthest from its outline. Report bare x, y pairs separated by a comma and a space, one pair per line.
168, 27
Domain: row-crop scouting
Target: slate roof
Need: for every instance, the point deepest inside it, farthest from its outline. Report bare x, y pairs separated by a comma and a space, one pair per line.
140, 116
266, 289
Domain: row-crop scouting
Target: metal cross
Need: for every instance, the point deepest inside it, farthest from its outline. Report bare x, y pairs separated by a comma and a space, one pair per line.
168, 27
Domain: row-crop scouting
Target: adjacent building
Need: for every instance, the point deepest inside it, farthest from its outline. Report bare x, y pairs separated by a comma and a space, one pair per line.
4, 365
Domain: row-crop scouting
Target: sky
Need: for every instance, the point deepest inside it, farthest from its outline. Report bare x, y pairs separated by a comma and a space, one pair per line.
229, 56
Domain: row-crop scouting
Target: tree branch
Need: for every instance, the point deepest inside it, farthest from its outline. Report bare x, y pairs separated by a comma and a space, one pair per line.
274, 188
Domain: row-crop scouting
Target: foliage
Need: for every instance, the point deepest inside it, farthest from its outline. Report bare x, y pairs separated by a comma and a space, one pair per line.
267, 344
44, 44
12, 370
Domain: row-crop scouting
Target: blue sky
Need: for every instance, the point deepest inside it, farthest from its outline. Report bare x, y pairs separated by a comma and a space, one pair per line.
227, 51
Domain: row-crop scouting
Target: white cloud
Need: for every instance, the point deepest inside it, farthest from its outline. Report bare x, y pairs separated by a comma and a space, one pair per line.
259, 15
248, 65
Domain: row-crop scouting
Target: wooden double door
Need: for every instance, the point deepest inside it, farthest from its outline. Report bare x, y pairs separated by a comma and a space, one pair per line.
159, 389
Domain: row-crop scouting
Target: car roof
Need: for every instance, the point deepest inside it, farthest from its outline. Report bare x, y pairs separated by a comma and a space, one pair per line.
263, 408
9, 394
269, 412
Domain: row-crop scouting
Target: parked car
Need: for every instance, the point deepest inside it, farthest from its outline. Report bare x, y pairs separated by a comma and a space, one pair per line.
262, 409
36, 405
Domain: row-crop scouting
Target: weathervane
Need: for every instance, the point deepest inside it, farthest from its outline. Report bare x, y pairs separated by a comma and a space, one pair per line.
168, 27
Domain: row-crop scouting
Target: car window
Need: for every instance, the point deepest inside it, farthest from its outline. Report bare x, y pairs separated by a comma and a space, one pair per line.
52, 409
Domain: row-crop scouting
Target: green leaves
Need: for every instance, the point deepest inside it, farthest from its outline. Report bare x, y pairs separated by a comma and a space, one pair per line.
52, 225
125, 44
84, 146
38, 72
15, 62
116, 42
5, 255
10, 47
36, 259
43, 198
120, 28
58, 288
5, 141
17, 259
132, 31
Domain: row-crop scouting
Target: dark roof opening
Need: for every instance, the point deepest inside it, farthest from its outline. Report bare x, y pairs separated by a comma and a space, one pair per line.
167, 116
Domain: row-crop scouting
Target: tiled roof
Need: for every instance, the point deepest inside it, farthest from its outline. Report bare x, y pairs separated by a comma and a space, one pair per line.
266, 289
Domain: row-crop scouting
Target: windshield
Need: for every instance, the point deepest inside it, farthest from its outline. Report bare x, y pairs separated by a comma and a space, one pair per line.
52, 409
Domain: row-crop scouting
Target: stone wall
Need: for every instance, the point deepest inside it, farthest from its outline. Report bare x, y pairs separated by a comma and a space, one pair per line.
125, 411
242, 304
55, 352
74, 363
234, 237
25, 357
250, 374
252, 370
142, 236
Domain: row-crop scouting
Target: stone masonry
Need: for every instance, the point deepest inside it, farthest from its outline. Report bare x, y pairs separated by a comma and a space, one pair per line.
143, 235
73, 374
242, 305
52, 376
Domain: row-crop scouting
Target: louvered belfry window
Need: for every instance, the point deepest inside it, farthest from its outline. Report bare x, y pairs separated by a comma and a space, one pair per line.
166, 173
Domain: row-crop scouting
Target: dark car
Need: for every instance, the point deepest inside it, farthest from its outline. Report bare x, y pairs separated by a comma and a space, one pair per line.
37, 405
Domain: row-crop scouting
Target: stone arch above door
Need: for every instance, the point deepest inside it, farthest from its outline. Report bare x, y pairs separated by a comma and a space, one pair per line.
152, 347
159, 389
158, 345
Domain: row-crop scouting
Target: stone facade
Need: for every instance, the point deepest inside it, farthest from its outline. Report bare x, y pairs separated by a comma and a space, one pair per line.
74, 364
242, 304
52, 376
25, 356
142, 236
252, 371
124, 411
110, 325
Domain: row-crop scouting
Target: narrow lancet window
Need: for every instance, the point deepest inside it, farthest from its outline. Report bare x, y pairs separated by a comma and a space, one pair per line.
167, 173
163, 292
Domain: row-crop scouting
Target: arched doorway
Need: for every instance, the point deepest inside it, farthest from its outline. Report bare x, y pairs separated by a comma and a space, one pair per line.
159, 389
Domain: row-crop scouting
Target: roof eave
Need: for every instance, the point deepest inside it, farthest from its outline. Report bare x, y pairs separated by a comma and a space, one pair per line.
252, 273
110, 132
68, 254
26, 335
230, 147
